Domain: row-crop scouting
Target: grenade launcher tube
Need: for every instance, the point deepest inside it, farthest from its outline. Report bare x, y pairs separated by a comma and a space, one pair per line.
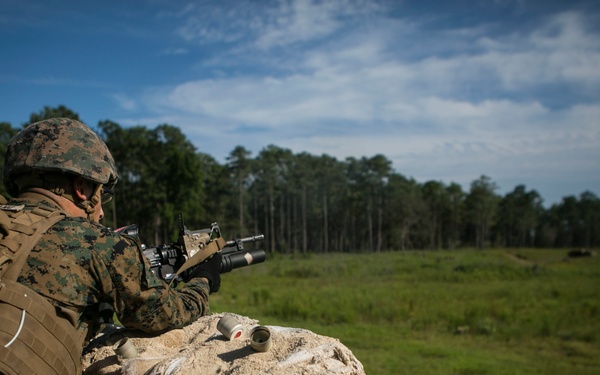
239, 259
165, 260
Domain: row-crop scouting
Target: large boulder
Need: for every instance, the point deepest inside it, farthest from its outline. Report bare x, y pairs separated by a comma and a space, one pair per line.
201, 348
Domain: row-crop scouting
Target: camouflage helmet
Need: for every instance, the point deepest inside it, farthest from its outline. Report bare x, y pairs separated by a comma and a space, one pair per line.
58, 145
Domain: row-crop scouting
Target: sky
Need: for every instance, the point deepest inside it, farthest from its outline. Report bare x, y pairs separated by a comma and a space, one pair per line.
447, 90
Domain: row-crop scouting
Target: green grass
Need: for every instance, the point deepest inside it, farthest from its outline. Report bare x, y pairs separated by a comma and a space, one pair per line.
434, 312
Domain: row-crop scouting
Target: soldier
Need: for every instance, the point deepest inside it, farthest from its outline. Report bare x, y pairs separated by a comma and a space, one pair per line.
78, 264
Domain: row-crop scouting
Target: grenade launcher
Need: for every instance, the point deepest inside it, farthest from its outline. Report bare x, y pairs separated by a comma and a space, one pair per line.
193, 247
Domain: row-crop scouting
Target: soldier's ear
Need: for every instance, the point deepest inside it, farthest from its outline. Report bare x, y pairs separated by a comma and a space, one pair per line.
80, 188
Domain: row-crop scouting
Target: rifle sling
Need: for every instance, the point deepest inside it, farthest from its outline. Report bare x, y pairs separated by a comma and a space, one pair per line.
215, 245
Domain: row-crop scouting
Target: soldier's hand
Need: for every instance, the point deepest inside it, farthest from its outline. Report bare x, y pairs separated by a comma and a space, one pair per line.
209, 269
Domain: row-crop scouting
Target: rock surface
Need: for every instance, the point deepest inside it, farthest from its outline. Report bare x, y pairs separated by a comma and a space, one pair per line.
201, 348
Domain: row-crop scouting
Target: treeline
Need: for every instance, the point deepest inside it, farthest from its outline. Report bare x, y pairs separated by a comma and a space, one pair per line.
316, 203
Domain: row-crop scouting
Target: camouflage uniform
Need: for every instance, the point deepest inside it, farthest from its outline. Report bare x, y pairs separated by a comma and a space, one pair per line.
78, 264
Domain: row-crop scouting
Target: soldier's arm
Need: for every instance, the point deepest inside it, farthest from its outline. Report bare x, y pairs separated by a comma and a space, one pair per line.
143, 300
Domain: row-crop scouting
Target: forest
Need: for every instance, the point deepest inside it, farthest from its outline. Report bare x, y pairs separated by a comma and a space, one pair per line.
316, 203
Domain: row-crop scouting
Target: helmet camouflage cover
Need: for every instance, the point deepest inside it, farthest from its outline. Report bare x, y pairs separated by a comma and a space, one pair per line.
58, 145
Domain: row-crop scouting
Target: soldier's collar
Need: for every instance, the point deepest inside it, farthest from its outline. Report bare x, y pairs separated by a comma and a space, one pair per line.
30, 198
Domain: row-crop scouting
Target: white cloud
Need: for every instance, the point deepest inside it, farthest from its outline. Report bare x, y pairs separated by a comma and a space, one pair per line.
125, 101
271, 24
304, 20
560, 51
443, 116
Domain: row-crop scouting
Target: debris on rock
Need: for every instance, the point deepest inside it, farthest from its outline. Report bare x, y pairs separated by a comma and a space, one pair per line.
202, 348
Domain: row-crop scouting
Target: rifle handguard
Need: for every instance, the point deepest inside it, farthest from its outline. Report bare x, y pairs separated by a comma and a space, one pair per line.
200, 256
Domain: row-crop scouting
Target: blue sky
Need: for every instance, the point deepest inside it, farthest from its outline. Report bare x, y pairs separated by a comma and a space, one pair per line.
446, 90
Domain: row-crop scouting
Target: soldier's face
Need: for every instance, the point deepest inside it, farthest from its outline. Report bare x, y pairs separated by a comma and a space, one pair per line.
98, 212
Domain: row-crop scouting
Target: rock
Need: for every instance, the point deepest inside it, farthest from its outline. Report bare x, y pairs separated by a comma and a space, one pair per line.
201, 348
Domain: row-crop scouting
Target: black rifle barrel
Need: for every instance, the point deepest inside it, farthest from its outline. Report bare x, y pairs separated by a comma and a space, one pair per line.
258, 237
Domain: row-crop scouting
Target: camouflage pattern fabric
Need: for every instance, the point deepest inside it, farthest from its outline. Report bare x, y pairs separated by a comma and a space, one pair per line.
79, 264
58, 145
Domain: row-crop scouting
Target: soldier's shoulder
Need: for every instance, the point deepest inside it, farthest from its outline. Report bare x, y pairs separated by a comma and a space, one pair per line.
87, 231
82, 224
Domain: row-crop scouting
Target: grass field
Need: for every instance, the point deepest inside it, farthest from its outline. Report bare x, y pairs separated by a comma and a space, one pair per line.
434, 312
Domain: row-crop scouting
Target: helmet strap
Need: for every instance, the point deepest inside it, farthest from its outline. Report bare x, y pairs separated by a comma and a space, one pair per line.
89, 206
56, 184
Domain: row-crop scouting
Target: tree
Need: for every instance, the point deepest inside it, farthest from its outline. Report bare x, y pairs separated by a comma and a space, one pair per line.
160, 177
6, 134
368, 177
405, 209
379, 172
239, 165
331, 185
51, 112
547, 232
454, 214
272, 169
569, 223
519, 213
180, 177
317, 203
482, 204
303, 180
589, 213
434, 194
130, 149
217, 191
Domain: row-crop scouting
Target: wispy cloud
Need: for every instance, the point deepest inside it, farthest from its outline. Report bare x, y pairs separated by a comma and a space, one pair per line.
61, 81
271, 24
365, 83
125, 101
176, 51
470, 102
508, 88
562, 50
306, 20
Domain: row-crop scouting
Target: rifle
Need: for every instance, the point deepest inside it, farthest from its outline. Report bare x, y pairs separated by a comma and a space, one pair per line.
196, 246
